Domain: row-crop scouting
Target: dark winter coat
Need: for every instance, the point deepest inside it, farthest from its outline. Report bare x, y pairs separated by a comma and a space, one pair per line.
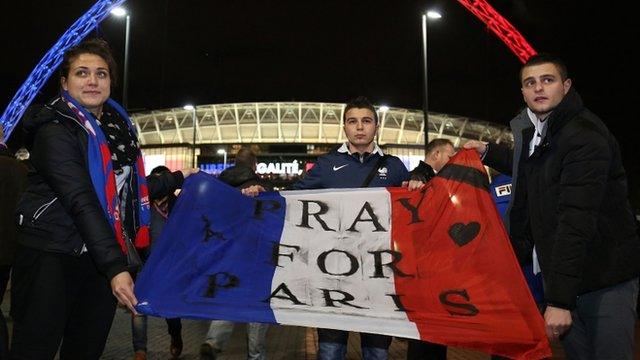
59, 211
570, 200
423, 172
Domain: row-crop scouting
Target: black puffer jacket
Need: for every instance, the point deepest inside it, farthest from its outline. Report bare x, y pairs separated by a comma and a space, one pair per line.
571, 201
59, 210
423, 172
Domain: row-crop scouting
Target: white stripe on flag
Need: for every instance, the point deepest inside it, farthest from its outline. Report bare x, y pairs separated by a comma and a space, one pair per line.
325, 250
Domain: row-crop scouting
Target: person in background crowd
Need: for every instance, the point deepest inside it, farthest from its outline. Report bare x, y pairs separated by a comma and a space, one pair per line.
437, 155
160, 209
438, 152
243, 177
85, 206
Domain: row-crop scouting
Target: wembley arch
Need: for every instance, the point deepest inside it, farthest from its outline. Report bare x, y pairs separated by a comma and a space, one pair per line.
100, 10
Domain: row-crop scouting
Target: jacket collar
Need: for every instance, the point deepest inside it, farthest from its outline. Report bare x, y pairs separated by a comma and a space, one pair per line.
521, 122
568, 108
570, 105
39, 115
60, 106
345, 149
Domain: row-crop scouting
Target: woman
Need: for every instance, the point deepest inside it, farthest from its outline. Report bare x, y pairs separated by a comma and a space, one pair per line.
86, 198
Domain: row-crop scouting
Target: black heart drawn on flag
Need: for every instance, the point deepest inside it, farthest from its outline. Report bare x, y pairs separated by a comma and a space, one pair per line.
462, 234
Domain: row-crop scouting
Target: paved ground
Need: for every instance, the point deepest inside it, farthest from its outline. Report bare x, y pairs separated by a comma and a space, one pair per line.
284, 342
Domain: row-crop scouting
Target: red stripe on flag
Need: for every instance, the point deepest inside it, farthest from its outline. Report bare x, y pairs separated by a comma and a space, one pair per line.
466, 287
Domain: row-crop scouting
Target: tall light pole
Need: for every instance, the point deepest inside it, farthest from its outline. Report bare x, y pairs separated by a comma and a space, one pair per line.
223, 152
429, 15
120, 12
193, 140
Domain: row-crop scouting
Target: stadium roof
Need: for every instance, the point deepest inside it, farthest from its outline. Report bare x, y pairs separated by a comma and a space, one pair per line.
301, 122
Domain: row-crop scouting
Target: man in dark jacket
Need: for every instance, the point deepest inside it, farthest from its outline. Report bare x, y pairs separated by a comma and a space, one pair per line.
570, 215
437, 155
13, 176
160, 208
357, 163
243, 174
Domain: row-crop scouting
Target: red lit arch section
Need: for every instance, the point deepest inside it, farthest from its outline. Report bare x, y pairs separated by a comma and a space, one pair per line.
501, 27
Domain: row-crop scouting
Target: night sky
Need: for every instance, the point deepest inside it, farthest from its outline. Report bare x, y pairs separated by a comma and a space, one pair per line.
203, 52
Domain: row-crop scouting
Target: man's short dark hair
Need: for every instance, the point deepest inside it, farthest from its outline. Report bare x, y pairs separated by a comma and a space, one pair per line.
246, 157
360, 102
434, 144
545, 58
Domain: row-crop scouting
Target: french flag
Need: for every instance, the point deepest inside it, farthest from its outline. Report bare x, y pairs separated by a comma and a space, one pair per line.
434, 264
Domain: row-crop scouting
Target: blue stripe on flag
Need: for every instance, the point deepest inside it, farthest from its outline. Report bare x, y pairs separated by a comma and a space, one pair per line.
187, 274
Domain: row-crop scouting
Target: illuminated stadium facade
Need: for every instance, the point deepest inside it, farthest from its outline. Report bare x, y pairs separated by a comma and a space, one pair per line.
288, 135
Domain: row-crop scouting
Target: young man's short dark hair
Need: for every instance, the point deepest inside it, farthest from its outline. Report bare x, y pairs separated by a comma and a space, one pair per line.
544, 58
360, 102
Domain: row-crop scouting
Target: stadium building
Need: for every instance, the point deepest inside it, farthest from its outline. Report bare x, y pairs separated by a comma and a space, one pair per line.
288, 136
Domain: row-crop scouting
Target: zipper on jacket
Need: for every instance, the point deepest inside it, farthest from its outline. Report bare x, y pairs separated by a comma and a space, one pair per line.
75, 120
42, 209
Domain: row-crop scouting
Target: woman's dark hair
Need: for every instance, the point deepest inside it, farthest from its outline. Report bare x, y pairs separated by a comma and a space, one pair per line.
93, 46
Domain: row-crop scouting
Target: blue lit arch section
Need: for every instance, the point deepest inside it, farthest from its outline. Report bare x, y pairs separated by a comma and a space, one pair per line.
41, 73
